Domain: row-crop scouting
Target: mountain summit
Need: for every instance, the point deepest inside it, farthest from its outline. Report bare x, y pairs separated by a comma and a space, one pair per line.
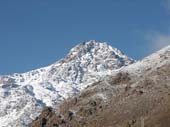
22, 96
86, 59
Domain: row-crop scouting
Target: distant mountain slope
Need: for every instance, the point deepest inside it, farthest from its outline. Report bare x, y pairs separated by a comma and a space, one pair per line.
22, 96
136, 96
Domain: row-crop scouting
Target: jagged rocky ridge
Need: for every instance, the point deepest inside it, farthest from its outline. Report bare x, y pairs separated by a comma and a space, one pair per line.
22, 96
135, 96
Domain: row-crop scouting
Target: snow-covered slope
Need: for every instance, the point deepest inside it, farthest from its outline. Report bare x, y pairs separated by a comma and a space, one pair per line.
22, 96
152, 61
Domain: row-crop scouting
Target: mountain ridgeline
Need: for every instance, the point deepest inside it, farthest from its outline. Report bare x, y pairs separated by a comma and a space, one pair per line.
95, 85
24, 95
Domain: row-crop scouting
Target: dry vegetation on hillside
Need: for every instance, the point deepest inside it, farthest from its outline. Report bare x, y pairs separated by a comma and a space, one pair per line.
142, 101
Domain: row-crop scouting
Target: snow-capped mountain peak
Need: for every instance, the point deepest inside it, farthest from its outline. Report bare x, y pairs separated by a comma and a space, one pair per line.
86, 58
22, 96
93, 47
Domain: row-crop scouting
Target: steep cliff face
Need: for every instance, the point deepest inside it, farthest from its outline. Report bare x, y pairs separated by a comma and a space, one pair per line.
135, 96
22, 96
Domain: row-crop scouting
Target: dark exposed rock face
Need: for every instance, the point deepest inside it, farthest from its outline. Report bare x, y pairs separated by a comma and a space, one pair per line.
121, 78
48, 119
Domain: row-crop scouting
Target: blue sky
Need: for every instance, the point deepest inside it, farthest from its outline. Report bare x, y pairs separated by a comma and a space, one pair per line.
36, 33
